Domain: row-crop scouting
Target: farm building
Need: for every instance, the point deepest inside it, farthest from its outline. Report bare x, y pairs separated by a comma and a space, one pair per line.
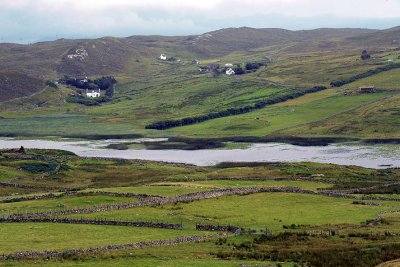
369, 89
92, 93
228, 65
163, 57
230, 71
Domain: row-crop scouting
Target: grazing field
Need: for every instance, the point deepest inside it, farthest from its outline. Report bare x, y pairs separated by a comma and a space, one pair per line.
177, 188
278, 117
61, 203
259, 211
389, 80
380, 119
100, 203
197, 255
58, 209
45, 236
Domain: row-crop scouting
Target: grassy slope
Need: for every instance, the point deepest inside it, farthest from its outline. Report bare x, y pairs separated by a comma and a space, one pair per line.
379, 119
277, 117
61, 203
47, 236
196, 255
177, 188
150, 90
272, 210
15, 85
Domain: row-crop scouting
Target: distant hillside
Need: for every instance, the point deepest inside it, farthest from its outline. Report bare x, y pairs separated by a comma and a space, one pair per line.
113, 56
385, 38
103, 56
15, 84
90, 57
221, 42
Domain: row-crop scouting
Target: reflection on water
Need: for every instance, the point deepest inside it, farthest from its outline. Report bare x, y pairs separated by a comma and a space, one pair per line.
372, 156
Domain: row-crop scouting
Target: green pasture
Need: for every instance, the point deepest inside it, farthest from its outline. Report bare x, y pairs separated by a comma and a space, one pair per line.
379, 119
215, 184
9, 172
261, 210
388, 80
277, 117
52, 236
68, 202
161, 190
196, 254
178, 188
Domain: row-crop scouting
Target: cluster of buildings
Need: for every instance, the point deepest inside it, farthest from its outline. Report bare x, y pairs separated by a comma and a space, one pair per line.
228, 66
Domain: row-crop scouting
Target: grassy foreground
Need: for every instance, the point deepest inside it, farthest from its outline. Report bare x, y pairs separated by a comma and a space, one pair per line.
278, 228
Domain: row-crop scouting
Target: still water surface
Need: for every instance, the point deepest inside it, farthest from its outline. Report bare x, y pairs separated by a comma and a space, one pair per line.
371, 156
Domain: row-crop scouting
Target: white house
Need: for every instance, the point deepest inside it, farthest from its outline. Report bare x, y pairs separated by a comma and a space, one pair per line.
230, 72
228, 65
163, 57
92, 93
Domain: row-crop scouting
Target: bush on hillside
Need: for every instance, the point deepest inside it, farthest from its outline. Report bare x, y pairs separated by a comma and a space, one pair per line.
87, 101
365, 55
51, 84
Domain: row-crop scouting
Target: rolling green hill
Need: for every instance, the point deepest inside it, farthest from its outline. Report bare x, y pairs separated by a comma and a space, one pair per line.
150, 90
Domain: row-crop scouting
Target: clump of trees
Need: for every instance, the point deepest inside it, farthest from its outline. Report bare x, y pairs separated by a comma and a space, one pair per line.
215, 69
105, 83
238, 70
162, 125
365, 55
80, 83
253, 66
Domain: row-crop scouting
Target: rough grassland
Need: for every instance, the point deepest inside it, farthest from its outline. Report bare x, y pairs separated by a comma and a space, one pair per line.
379, 119
386, 80
274, 118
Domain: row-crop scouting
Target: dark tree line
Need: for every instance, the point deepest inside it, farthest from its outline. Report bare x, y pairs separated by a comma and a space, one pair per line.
364, 75
162, 125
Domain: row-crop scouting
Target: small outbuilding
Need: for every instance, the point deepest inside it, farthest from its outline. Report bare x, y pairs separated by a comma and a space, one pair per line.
163, 57
367, 89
